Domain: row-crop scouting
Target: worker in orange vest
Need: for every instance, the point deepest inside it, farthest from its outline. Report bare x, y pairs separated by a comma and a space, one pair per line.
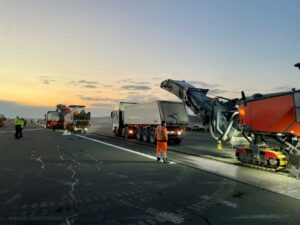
161, 135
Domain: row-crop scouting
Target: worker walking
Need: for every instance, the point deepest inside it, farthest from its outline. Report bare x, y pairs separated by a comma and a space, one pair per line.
161, 135
19, 125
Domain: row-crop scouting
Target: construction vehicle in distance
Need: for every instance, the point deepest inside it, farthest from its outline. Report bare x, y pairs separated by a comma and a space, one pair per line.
2, 120
139, 120
264, 129
75, 117
57, 116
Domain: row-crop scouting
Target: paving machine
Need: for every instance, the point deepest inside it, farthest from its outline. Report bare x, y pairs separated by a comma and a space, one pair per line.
264, 129
75, 117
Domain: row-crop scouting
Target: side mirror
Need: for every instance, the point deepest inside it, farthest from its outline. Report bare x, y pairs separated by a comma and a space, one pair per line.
297, 65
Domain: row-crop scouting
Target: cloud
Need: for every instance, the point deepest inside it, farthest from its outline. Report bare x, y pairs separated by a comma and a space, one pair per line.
136, 87
130, 81
90, 86
125, 81
84, 83
202, 84
88, 82
216, 91
89, 98
47, 80
107, 85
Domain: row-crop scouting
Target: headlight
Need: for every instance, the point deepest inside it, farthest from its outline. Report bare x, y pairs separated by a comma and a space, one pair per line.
179, 133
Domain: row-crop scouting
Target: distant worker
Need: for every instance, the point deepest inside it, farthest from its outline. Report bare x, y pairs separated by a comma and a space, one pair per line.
18, 127
54, 124
161, 135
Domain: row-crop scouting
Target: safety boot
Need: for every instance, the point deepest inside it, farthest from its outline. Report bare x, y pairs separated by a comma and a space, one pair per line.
165, 160
158, 159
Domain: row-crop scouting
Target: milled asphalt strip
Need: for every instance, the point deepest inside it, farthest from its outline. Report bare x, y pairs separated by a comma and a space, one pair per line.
288, 186
121, 148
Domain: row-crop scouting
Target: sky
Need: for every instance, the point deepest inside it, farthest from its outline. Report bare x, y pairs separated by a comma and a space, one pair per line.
98, 53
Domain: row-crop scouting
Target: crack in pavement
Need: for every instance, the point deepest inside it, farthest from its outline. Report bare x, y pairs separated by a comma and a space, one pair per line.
96, 160
38, 158
74, 167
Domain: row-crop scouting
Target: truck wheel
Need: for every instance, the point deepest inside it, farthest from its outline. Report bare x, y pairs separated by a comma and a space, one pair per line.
126, 133
139, 133
116, 131
145, 135
152, 137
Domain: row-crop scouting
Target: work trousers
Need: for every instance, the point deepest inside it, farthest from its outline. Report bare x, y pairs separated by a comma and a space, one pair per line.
161, 147
18, 133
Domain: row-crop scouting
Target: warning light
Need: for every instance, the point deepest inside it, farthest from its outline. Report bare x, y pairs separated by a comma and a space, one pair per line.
242, 112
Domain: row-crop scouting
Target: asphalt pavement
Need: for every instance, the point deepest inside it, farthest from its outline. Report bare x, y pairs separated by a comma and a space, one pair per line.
51, 178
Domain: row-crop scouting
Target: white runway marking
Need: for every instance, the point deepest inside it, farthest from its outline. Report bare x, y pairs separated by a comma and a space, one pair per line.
121, 148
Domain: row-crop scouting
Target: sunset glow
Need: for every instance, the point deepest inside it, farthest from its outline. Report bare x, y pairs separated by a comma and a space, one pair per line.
98, 53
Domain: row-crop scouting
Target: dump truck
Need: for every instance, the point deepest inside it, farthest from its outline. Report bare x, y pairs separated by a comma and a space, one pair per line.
139, 120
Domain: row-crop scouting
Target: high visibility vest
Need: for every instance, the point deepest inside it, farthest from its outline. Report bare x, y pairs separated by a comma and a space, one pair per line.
161, 133
18, 122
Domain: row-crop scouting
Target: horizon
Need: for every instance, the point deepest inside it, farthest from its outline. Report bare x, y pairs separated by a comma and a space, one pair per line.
98, 53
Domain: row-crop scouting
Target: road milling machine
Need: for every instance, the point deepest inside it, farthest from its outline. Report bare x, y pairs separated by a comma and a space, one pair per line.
264, 129
75, 117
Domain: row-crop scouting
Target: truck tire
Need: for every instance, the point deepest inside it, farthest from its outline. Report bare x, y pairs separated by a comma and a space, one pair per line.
139, 133
117, 132
126, 133
145, 135
152, 137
